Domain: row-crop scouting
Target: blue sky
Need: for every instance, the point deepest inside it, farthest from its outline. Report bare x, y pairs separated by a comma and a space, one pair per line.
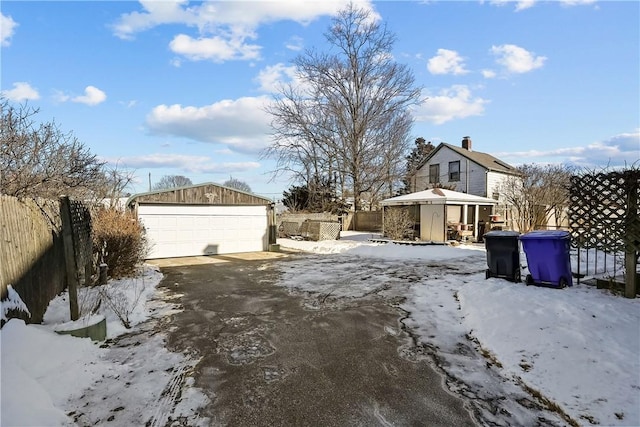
178, 88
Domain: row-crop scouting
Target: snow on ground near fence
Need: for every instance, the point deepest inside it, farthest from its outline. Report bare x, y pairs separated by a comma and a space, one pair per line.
43, 372
578, 346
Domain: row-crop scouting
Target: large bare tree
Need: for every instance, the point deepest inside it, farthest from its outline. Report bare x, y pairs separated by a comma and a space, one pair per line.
345, 117
540, 194
40, 160
172, 181
237, 184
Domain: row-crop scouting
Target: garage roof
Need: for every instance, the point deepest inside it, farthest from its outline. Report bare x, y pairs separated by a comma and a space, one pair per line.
438, 196
200, 194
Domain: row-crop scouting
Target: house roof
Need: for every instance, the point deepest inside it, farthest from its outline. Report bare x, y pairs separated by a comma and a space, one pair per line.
438, 196
485, 160
195, 194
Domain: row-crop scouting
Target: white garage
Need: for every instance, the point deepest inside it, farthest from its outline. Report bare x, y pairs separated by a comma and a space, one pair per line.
195, 220
177, 231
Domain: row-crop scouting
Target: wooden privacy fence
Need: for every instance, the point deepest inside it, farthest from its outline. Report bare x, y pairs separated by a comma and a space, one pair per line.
358, 221
34, 259
367, 221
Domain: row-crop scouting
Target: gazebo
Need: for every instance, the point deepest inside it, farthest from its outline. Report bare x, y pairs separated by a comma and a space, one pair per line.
443, 215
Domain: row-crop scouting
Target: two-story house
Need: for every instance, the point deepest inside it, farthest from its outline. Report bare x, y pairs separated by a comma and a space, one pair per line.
472, 172
464, 170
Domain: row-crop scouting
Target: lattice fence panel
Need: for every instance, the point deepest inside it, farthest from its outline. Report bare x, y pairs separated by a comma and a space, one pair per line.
604, 213
81, 226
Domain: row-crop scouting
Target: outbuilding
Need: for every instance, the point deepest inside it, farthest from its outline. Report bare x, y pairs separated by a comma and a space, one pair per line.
442, 215
204, 219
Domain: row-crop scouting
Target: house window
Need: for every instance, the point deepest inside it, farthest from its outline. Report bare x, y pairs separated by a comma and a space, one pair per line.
434, 174
454, 171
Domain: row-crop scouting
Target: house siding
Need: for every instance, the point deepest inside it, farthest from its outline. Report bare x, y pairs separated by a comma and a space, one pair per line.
494, 181
473, 178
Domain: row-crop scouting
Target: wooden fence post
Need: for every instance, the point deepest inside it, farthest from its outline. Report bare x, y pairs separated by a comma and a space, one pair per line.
69, 256
630, 246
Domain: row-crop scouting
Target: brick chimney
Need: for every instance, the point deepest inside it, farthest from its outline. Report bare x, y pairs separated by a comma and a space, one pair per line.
466, 143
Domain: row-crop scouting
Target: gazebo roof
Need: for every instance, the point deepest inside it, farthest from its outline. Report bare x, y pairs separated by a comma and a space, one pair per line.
438, 196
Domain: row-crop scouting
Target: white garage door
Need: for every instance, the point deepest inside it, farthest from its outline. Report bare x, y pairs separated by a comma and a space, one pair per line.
184, 230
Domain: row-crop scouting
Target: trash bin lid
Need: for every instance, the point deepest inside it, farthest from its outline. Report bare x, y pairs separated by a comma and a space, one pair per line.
546, 234
501, 233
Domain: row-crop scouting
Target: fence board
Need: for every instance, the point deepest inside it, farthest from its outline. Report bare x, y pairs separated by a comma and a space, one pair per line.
368, 221
31, 258
32, 252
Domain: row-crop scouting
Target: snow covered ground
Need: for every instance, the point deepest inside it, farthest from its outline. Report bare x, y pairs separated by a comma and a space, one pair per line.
577, 347
58, 380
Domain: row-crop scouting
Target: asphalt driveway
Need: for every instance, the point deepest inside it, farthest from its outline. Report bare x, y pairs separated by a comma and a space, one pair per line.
268, 359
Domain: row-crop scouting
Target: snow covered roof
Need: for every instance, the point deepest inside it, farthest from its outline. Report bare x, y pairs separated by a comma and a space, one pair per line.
438, 196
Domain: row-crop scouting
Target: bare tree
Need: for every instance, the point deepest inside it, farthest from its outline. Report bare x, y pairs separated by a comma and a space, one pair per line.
172, 181
237, 184
40, 160
347, 113
538, 195
113, 185
398, 223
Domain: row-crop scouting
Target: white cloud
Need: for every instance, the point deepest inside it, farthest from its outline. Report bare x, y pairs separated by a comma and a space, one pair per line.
452, 103
22, 91
516, 59
129, 104
577, 2
92, 96
526, 4
520, 4
223, 27
272, 77
295, 43
616, 151
7, 29
488, 74
241, 124
446, 62
216, 49
183, 162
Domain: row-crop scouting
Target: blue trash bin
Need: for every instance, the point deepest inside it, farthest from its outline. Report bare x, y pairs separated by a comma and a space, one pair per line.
548, 257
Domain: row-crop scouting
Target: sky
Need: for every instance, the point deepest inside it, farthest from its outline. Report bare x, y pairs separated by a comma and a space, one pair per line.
576, 346
180, 88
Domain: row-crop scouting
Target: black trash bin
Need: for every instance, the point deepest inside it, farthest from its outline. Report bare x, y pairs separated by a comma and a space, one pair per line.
503, 255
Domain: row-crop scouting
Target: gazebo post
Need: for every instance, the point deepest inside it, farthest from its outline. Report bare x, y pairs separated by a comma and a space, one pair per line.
465, 213
476, 214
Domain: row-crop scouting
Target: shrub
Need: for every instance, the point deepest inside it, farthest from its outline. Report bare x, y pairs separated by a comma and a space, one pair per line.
119, 241
398, 224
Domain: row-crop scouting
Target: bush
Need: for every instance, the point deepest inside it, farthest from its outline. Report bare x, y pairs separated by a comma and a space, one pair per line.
398, 224
119, 241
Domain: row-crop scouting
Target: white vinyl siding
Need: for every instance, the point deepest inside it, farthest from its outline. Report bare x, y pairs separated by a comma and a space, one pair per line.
494, 181
476, 184
191, 230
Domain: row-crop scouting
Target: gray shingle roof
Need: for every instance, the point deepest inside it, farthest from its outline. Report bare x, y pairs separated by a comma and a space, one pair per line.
483, 159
